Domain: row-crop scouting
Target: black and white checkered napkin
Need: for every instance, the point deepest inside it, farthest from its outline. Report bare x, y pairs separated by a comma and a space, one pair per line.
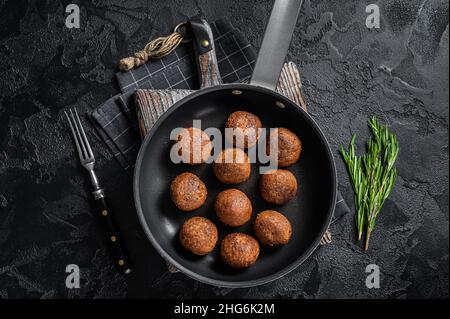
116, 120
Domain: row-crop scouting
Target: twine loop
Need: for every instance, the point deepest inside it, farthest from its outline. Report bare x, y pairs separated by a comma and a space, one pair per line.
155, 49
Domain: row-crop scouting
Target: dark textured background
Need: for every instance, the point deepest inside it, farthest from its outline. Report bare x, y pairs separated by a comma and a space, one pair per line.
399, 72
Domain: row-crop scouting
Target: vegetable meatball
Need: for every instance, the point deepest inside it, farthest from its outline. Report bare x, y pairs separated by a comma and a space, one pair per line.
272, 228
233, 207
194, 146
289, 147
239, 250
245, 127
198, 235
188, 192
232, 166
278, 186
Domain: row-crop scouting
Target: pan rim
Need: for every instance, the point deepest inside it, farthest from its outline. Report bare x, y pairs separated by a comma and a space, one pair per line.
192, 274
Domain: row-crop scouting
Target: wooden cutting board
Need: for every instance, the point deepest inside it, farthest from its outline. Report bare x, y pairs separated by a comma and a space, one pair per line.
151, 104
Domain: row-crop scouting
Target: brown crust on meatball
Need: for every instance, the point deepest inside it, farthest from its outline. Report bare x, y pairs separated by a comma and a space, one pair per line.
198, 235
272, 228
195, 146
233, 207
246, 129
232, 166
188, 192
278, 186
289, 147
239, 250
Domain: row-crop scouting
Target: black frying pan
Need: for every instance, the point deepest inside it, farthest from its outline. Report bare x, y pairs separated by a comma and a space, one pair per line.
310, 212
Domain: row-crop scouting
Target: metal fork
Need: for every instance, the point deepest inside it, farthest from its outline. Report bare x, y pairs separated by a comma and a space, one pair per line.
87, 160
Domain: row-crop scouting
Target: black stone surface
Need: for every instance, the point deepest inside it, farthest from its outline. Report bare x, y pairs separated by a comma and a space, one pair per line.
399, 72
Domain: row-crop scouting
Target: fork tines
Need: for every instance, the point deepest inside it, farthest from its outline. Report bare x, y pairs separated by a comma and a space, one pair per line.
81, 141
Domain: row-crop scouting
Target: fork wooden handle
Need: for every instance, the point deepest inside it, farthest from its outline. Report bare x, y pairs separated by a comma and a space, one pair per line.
113, 239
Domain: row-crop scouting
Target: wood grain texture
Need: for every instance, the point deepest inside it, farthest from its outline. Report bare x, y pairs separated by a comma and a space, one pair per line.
151, 104
290, 84
208, 70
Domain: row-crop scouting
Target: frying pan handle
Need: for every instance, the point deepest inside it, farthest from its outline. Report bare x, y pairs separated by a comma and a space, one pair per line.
208, 68
275, 44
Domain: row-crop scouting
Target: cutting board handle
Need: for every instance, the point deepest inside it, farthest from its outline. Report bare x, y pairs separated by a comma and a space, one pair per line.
205, 53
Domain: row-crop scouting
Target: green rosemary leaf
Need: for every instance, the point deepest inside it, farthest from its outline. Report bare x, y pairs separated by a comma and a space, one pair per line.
372, 175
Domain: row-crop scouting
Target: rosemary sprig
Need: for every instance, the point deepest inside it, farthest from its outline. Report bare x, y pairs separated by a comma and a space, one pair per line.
372, 175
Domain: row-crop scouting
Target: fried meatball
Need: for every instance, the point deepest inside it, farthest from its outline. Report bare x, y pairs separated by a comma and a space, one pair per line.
245, 127
289, 147
239, 250
272, 228
233, 207
278, 186
194, 146
232, 166
198, 235
188, 192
